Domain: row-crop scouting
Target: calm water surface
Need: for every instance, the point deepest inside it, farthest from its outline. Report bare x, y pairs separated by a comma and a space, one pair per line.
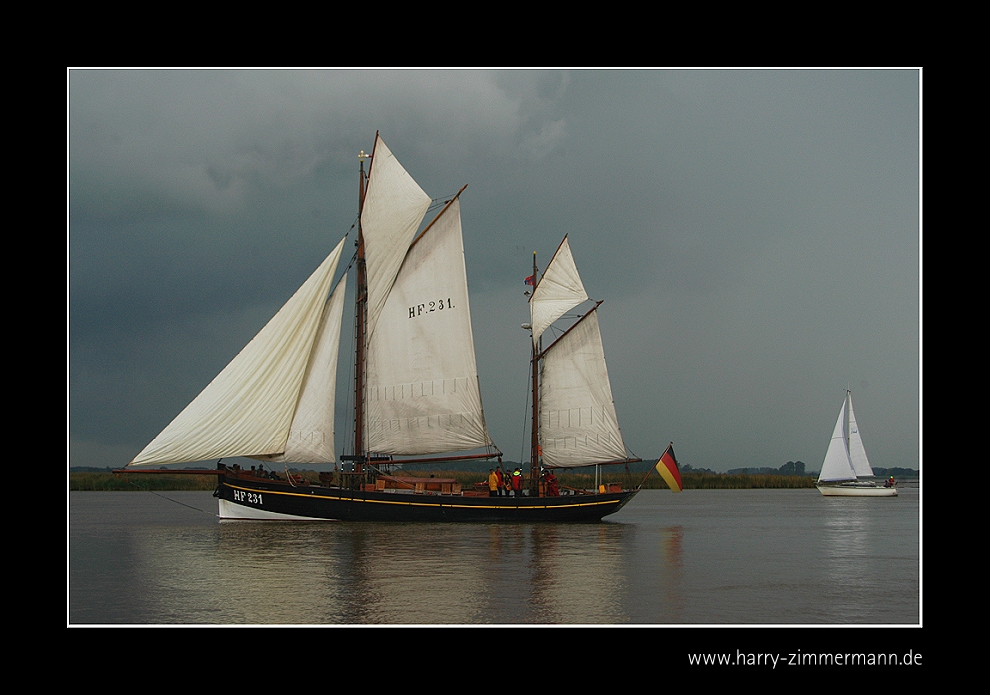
702, 557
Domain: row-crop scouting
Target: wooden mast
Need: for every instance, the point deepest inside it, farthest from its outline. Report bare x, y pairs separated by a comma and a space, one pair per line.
534, 455
359, 456
360, 324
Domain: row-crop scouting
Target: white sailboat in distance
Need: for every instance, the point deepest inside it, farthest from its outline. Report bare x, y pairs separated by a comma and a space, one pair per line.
846, 467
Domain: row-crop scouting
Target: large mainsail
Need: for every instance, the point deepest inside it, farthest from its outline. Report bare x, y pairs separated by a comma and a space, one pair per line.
422, 379
251, 407
846, 457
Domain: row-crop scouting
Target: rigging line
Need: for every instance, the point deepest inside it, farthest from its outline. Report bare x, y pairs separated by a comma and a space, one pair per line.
438, 202
355, 223
181, 504
288, 476
350, 264
557, 330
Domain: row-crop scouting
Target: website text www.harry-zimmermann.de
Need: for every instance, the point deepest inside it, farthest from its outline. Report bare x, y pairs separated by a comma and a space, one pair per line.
799, 658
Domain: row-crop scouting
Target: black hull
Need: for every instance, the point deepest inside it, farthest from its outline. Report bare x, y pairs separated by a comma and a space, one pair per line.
267, 499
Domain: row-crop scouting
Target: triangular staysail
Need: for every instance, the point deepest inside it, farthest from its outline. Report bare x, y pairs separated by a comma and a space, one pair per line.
248, 409
311, 436
422, 385
559, 290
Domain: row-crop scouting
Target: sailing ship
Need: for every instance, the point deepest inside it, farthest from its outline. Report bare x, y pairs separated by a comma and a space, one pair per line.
416, 390
846, 467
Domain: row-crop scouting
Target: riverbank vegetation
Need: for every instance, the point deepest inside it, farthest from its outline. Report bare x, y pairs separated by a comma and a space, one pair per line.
91, 481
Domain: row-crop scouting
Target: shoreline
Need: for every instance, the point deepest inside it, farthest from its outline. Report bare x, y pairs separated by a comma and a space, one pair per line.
90, 481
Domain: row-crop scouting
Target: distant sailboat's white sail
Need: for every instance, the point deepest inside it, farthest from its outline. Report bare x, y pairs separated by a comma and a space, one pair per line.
559, 290
248, 409
846, 457
394, 207
837, 465
857, 454
578, 424
422, 379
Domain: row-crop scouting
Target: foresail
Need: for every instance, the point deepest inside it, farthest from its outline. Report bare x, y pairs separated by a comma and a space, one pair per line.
559, 290
578, 425
857, 453
422, 379
394, 207
837, 465
311, 436
248, 408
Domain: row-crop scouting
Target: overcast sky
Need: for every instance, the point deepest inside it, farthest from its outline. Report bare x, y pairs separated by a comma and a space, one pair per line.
754, 234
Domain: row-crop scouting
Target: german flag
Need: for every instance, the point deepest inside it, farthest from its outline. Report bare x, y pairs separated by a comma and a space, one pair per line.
668, 470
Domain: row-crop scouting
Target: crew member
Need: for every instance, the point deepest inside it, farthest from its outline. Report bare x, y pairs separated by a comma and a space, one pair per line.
517, 482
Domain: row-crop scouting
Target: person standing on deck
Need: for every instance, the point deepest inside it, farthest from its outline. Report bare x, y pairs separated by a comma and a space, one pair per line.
501, 483
517, 482
492, 483
551, 480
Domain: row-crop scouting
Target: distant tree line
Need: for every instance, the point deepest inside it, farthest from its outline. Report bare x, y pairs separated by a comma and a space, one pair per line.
789, 468
798, 468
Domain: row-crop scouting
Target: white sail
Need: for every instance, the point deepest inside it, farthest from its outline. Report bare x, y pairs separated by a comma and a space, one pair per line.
422, 384
857, 454
837, 465
578, 425
248, 409
559, 290
311, 436
846, 457
393, 209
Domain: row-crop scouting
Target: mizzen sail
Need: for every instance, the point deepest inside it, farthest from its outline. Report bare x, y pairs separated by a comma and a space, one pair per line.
578, 424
